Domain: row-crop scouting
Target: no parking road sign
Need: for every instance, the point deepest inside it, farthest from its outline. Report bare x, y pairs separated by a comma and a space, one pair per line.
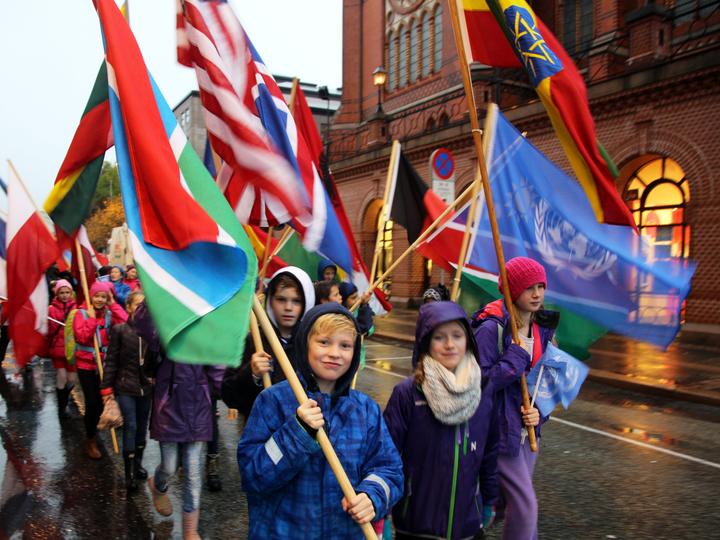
442, 165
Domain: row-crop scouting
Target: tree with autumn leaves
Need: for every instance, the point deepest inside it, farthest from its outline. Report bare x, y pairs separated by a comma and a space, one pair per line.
106, 209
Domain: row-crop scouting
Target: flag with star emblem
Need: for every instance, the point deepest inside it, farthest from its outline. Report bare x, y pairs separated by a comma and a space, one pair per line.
560, 87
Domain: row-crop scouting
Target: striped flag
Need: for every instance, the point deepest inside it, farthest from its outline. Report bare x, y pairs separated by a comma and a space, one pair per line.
239, 92
194, 259
518, 31
259, 183
69, 201
31, 250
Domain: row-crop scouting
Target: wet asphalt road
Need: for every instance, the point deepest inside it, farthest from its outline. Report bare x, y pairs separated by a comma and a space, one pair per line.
590, 485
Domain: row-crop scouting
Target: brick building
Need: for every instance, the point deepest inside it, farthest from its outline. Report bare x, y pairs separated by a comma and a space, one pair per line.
653, 77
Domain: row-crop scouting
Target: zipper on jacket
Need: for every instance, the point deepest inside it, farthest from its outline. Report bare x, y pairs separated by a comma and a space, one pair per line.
454, 482
407, 497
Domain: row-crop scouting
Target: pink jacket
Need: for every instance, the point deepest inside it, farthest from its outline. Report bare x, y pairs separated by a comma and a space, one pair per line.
59, 312
85, 328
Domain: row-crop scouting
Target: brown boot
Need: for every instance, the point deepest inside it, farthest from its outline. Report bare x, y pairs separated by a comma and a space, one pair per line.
189, 525
162, 502
92, 449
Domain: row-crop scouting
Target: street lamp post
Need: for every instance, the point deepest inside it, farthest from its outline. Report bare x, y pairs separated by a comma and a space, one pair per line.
379, 77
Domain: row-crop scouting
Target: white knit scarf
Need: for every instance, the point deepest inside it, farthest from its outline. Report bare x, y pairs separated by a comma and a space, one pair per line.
452, 397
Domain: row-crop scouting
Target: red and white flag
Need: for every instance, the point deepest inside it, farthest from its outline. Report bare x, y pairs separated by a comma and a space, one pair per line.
31, 250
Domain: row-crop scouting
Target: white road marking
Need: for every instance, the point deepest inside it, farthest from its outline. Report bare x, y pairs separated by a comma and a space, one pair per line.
637, 443
386, 372
389, 358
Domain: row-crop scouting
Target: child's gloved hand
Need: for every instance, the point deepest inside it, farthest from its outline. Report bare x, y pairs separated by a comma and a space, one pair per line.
361, 508
311, 414
488, 515
530, 417
260, 363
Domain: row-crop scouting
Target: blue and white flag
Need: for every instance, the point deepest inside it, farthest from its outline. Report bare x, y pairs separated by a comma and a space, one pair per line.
560, 381
605, 273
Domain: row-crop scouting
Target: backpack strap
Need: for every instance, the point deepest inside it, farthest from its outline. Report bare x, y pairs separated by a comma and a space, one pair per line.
92, 349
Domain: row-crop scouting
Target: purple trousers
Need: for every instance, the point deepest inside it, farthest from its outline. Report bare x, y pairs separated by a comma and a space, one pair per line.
517, 494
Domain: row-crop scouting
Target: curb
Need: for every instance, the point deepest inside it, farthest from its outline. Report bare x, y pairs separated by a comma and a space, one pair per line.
616, 380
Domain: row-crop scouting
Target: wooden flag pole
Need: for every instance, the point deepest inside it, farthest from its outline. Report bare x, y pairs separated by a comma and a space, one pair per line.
277, 248
477, 138
301, 396
257, 339
91, 313
293, 93
466, 238
265, 259
416, 243
392, 171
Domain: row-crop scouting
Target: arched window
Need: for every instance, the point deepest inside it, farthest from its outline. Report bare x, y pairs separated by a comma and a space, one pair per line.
392, 62
578, 21
430, 124
425, 46
413, 51
657, 193
385, 256
437, 53
402, 57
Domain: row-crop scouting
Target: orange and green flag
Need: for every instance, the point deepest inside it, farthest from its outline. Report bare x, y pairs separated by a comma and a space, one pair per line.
497, 30
69, 200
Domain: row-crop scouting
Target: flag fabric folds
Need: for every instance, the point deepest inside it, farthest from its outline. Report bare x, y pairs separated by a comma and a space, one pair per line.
31, 249
91, 263
194, 259
559, 381
238, 92
3, 260
604, 273
485, 39
562, 90
69, 201
308, 129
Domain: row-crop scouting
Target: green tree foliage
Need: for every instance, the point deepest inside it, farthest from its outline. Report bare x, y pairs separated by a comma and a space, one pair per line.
108, 184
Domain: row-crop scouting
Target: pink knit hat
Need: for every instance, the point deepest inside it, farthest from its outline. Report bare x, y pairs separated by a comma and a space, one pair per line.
98, 286
60, 283
522, 273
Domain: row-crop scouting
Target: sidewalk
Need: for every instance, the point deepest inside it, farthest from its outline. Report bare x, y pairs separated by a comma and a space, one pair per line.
689, 370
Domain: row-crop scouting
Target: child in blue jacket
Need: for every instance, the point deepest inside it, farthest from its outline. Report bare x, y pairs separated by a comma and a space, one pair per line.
443, 421
504, 362
291, 489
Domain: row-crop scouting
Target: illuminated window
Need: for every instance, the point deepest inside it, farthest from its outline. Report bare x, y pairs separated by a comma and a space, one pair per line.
437, 23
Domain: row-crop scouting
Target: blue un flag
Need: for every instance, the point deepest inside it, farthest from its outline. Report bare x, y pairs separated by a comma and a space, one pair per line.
560, 381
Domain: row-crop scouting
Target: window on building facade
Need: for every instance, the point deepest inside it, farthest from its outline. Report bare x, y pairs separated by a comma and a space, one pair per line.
425, 46
688, 10
413, 51
402, 57
657, 194
392, 62
437, 22
578, 22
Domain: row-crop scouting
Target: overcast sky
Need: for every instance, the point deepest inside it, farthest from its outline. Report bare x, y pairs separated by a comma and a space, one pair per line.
50, 53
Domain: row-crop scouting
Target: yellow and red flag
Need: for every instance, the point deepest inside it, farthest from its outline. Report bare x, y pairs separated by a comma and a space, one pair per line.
499, 29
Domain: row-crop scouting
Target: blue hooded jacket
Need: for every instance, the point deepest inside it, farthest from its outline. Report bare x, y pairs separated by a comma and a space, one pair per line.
121, 289
450, 471
291, 490
322, 265
506, 370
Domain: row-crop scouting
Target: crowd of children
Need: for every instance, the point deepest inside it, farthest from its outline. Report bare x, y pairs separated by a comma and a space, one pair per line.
446, 458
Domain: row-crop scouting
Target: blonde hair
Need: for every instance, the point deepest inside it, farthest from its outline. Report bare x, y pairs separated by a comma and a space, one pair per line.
518, 321
331, 324
132, 296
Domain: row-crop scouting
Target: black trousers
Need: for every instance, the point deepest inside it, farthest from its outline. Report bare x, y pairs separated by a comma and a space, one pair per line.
90, 384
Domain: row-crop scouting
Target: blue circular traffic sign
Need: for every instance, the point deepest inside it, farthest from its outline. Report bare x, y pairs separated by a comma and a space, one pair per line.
444, 164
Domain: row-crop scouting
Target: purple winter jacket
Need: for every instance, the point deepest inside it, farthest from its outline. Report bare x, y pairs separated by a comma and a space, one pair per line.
505, 371
443, 464
182, 406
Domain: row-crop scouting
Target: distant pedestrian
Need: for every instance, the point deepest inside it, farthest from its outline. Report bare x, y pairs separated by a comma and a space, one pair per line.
504, 363
442, 421
131, 277
436, 293
363, 313
85, 329
327, 270
117, 275
327, 291
181, 422
125, 381
58, 312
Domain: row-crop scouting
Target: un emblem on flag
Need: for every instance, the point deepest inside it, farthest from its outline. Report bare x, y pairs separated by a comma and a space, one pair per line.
539, 59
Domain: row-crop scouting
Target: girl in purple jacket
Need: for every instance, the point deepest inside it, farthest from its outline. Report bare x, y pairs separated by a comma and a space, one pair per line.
504, 362
442, 422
